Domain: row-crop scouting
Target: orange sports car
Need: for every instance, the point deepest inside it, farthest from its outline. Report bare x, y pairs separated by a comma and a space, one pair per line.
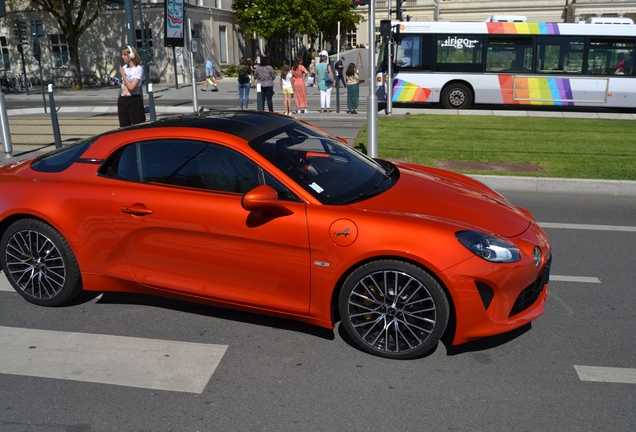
265, 213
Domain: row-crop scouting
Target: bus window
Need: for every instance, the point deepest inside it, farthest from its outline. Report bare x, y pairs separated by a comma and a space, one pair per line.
409, 52
610, 57
459, 53
560, 55
507, 54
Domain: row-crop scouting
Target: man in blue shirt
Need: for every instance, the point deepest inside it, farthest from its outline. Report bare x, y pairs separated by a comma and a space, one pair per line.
341, 71
209, 75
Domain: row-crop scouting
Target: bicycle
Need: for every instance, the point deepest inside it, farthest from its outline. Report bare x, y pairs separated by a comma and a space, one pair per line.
18, 83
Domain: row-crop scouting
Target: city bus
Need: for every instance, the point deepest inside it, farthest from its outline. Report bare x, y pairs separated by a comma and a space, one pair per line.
460, 65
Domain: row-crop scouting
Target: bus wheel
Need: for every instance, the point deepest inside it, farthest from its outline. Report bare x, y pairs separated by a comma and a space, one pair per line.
457, 96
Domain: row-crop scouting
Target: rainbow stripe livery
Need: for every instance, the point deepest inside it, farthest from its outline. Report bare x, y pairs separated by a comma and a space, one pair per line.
404, 91
523, 28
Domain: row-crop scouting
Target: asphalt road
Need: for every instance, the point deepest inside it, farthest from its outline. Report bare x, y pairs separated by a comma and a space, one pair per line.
279, 375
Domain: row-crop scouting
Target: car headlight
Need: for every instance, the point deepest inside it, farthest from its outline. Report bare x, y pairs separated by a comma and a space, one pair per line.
490, 248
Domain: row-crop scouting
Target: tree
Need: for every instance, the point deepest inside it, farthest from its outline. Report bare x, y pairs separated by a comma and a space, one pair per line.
73, 17
329, 14
269, 18
272, 18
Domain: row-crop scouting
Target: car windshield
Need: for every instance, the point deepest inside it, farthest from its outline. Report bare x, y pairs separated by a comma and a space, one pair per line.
331, 171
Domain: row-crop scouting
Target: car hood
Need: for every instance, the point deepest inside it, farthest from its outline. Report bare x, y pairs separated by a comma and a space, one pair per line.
430, 192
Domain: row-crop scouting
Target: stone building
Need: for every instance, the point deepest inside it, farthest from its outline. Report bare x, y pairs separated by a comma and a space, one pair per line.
220, 38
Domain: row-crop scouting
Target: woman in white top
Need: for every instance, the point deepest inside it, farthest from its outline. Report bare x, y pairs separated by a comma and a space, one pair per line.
130, 105
287, 88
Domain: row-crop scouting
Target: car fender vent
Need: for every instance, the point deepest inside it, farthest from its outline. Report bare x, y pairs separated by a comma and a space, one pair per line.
485, 292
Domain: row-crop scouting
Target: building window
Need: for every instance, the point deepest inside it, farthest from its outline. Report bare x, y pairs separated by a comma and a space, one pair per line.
199, 56
352, 39
150, 53
59, 48
4, 60
223, 43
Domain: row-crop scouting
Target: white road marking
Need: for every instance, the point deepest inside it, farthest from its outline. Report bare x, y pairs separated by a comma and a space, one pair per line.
583, 279
606, 374
118, 360
4, 283
618, 228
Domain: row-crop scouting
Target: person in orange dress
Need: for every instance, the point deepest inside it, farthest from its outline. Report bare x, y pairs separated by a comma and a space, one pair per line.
299, 74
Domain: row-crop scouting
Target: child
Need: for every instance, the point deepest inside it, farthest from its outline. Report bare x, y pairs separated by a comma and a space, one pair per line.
287, 88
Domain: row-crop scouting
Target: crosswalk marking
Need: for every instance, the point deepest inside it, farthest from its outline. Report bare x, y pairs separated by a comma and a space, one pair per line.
619, 228
117, 360
4, 284
606, 374
584, 279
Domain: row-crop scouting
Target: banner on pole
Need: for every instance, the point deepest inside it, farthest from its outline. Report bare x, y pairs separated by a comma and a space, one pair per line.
174, 26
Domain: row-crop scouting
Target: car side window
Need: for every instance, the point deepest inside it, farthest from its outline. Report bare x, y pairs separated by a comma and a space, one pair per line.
192, 164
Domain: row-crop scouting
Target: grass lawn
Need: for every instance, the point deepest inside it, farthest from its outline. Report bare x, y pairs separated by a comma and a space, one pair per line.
567, 148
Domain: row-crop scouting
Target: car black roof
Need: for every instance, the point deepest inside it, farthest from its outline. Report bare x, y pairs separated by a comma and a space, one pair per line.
243, 124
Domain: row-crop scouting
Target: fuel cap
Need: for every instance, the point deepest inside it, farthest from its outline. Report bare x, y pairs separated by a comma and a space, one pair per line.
343, 232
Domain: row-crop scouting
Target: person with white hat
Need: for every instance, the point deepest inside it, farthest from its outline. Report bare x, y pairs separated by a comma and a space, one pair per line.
325, 83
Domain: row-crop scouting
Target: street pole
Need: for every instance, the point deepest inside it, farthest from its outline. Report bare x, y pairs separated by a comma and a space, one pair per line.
7, 146
130, 25
174, 65
389, 69
195, 101
372, 99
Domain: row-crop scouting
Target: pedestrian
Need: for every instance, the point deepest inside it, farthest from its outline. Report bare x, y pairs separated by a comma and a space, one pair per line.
340, 70
325, 83
265, 75
312, 73
130, 104
209, 75
244, 83
299, 74
286, 88
353, 88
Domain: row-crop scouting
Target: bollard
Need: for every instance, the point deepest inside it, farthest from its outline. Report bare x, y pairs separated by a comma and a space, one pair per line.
54, 122
151, 102
259, 98
338, 91
7, 147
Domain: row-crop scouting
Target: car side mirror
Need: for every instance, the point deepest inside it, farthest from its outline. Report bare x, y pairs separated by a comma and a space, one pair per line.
264, 198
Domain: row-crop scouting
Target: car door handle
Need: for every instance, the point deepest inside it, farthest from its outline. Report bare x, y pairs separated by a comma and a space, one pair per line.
137, 211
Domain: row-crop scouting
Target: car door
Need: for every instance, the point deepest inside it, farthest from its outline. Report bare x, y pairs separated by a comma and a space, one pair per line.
183, 229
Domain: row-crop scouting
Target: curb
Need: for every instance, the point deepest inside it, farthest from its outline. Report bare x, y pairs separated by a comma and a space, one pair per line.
558, 185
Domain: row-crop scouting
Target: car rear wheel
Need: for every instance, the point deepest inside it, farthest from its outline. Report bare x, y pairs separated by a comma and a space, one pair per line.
457, 96
393, 309
39, 263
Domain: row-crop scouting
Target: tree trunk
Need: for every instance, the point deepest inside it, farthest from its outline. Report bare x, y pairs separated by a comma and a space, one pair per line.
73, 42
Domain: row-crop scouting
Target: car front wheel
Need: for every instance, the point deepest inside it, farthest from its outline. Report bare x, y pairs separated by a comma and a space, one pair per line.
393, 309
39, 263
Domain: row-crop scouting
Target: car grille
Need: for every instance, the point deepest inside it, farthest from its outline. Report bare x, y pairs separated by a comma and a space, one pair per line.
530, 294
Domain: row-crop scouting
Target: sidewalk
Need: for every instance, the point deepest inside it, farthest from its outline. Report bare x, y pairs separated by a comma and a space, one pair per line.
36, 121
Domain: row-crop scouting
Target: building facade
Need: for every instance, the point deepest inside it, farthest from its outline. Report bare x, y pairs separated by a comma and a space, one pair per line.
219, 37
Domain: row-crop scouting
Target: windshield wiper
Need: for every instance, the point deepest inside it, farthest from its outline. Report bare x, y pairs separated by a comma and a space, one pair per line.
387, 175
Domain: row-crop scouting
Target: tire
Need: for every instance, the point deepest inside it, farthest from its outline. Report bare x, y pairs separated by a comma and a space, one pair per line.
39, 263
402, 324
457, 96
